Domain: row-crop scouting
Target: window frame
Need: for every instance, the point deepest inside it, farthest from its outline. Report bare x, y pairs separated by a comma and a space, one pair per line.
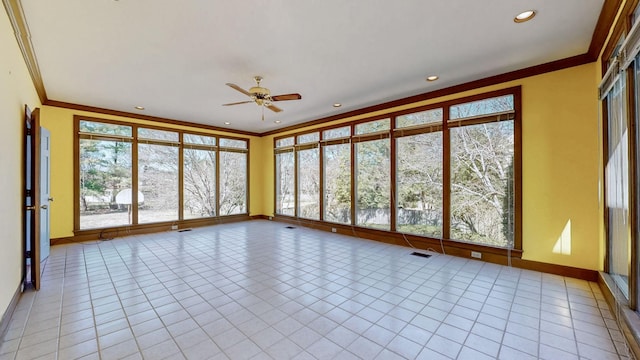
393, 133
134, 140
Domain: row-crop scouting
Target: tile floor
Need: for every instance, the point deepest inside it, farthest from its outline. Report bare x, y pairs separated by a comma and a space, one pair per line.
257, 290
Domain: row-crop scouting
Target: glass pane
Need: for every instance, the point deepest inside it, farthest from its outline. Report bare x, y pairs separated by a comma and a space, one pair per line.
199, 183
232, 143
199, 139
373, 184
105, 178
233, 183
285, 200
157, 183
336, 133
103, 128
373, 126
284, 142
617, 187
433, 116
153, 134
337, 183
309, 184
309, 138
419, 187
482, 200
482, 107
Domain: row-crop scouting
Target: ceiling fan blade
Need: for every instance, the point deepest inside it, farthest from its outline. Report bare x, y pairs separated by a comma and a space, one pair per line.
286, 97
238, 103
273, 108
234, 86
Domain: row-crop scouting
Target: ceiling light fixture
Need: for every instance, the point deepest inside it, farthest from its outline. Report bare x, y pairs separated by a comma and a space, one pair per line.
227, 123
277, 121
139, 107
337, 105
524, 16
433, 78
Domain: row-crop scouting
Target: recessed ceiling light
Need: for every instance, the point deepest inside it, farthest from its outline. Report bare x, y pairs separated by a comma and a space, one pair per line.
227, 123
525, 16
139, 107
277, 121
337, 105
433, 78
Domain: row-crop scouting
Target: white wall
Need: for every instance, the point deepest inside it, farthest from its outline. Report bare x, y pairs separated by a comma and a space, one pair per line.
16, 90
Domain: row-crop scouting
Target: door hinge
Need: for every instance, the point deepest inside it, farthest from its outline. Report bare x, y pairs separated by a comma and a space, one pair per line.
28, 192
28, 131
27, 254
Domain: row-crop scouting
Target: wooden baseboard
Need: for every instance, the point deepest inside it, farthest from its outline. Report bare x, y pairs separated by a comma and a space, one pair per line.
628, 319
6, 317
115, 232
489, 254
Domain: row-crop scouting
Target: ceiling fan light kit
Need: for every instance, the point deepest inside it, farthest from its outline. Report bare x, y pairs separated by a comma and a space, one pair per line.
262, 96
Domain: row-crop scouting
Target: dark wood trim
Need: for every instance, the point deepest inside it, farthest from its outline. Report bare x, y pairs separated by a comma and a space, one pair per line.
455, 248
247, 180
35, 189
135, 180
517, 168
76, 173
627, 319
275, 180
129, 115
23, 38
605, 22
472, 85
321, 179
181, 177
6, 316
632, 119
393, 195
446, 175
353, 180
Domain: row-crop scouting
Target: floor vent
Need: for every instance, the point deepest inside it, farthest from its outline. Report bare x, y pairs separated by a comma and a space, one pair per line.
421, 254
290, 227
183, 230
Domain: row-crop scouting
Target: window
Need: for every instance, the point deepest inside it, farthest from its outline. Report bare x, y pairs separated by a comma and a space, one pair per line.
158, 177
233, 176
177, 175
308, 162
482, 154
105, 175
199, 176
336, 162
419, 174
373, 176
285, 177
449, 171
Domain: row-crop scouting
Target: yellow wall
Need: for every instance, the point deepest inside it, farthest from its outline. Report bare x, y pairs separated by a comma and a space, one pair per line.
16, 90
60, 122
560, 165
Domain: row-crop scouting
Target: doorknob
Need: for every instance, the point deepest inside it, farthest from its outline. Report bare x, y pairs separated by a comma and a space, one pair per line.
44, 207
31, 207
50, 199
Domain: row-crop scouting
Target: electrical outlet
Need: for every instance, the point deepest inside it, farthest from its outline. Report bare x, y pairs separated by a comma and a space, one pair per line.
476, 254
174, 227
333, 230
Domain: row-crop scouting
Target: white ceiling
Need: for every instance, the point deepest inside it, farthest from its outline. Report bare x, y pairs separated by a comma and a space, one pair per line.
174, 57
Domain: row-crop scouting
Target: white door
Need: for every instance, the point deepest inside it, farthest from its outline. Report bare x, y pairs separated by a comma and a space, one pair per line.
45, 192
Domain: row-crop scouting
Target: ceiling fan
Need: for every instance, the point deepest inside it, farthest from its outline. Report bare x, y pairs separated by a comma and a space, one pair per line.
262, 96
